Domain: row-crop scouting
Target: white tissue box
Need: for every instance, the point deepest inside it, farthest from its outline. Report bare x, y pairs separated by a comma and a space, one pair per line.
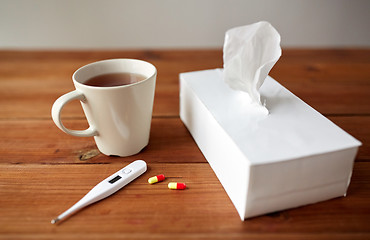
292, 157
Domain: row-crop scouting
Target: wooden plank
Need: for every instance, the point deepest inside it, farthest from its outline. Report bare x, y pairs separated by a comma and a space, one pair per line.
47, 75
181, 236
40, 141
333, 82
141, 210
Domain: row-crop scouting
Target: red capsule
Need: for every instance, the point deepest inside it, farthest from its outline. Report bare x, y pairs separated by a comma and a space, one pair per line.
158, 178
174, 185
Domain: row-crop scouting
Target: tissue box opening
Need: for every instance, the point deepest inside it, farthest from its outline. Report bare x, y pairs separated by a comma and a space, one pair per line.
258, 181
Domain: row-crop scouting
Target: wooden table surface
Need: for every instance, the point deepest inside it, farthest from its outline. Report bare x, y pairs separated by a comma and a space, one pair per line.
43, 171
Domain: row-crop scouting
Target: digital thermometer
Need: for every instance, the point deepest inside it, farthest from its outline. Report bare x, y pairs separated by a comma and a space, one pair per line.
106, 187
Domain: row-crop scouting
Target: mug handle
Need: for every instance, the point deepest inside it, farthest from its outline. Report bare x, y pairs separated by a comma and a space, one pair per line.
57, 109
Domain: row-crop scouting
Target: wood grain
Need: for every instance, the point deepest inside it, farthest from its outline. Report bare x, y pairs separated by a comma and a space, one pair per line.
44, 171
153, 211
40, 141
333, 82
32, 81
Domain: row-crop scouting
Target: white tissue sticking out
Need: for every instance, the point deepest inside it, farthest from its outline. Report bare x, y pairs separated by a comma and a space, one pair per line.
249, 54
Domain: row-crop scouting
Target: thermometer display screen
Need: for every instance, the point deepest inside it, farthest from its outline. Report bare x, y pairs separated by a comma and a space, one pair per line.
115, 179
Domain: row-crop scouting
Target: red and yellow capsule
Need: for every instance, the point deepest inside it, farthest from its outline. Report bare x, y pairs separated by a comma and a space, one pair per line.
158, 178
175, 185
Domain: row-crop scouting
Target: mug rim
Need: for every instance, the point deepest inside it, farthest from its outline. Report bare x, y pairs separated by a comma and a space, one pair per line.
112, 60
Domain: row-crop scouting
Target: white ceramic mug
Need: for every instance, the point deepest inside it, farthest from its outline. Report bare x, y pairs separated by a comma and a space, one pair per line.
119, 117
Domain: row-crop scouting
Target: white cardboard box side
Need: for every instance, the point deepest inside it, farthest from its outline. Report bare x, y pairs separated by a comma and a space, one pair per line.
294, 183
215, 144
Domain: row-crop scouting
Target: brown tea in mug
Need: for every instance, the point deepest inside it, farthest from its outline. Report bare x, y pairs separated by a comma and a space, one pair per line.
114, 79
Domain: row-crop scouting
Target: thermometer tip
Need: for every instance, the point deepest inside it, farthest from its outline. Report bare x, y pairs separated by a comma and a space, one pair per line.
54, 221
